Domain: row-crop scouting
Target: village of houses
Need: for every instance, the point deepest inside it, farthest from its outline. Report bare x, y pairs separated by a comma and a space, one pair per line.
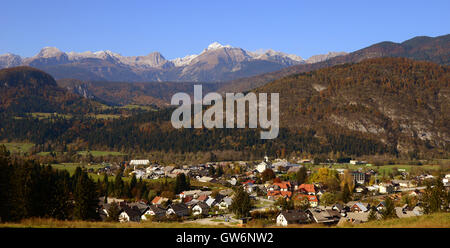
202, 206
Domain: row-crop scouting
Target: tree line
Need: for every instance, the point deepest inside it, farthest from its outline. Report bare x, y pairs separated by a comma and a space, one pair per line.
152, 131
29, 189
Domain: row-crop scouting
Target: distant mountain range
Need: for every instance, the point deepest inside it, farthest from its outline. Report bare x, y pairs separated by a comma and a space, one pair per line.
432, 49
216, 63
122, 92
435, 50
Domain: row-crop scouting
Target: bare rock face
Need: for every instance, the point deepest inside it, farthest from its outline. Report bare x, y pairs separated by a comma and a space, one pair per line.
154, 59
10, 60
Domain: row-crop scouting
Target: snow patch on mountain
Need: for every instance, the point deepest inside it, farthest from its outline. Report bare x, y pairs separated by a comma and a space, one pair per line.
262, 53
184, 61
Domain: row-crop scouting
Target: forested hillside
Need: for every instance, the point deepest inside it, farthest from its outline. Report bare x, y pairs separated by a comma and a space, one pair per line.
400, 102
141, 93
26, 89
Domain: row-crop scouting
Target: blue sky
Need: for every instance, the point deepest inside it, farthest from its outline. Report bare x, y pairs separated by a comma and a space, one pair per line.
178, 28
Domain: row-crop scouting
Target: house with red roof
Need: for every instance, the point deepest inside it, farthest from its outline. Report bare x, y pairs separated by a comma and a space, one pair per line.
274, 195
158, 200
308, 189
312, 199
187, 199
202, 198
281, 189
281, 186
249, 182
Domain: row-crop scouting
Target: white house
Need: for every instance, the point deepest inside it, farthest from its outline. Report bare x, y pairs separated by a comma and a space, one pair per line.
178, 209
210, 201
129, 214
233, 181
291, 217
200, 208
386, 188
225, 203
357, 162
193, 193
139, 173
123, 217
153, 210
446, 179
406, 183
261, 167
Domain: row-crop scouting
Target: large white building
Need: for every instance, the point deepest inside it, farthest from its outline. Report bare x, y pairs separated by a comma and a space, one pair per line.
261, 167
140, 162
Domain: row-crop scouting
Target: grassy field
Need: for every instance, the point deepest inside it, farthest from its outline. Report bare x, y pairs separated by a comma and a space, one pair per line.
212, 186
43, 153
129, 106
40, 115
17, 147
101, 153
383, 168
437, 220
51, 223
93, 153
70, 167
105, 116
388, 168
143, 107
440, 220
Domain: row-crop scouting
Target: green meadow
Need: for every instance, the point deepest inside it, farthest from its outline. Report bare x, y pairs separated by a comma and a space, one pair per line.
71, 167
14, 147
381, 169
101, 153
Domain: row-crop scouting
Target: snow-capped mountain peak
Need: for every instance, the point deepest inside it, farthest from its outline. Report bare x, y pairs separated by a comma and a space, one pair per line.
216, 45
48, 52
186, 60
